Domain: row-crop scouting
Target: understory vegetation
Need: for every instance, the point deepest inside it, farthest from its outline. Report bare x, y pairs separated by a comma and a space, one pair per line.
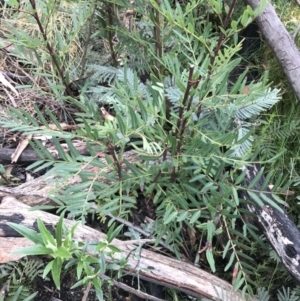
164, 100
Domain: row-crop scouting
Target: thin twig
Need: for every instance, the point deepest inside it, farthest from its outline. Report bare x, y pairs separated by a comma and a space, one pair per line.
158, 41
111, 150
160, 171
83, 60
184, 101
50, 49
134, 241
221, 36
184, 107
87, 291
140, 230
110, 36
130, 289
296, 31
16, 65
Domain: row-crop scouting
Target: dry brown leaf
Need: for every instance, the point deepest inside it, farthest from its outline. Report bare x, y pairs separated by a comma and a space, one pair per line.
29, 177
246, 90
8, 170
106, 115
7, 84
192, 236
21, 146
12, 100
64, 126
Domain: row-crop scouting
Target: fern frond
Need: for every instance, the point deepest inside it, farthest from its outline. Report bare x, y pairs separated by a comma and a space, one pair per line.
103, 74
253, 106
283, 130
244, 142
286, 295
262, 294
19, 275
128, 76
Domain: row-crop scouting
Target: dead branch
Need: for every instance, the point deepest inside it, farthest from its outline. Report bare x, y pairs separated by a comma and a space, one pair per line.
281, 42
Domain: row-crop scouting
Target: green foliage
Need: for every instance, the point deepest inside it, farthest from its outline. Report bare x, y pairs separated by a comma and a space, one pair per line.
62, 248
46, 244
286, 295
47, 31
195, 130
16, 278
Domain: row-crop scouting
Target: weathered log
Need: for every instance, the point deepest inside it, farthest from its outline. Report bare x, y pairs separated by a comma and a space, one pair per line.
281, 43
29, 156
150, 266
281, 232
38, 191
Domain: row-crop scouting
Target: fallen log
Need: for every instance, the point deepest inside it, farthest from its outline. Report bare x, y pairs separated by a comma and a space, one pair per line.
38, 191
150, 266
280, 230
32, 193
281, 43
29, 156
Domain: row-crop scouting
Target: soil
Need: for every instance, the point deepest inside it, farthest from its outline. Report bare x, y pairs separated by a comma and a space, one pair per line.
48, 291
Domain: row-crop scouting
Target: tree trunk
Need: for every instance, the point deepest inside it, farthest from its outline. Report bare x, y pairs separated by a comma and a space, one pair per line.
281, 42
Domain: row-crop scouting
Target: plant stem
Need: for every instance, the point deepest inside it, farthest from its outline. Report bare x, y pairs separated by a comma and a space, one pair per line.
221, 35
158, 42
185, 107
83, 60
50, 49
110, 36
111, 150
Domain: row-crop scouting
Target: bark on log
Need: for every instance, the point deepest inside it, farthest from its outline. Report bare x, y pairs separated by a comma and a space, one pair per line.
32, 193
151, 266
282, 233
29, 156
38, 191
281, 42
